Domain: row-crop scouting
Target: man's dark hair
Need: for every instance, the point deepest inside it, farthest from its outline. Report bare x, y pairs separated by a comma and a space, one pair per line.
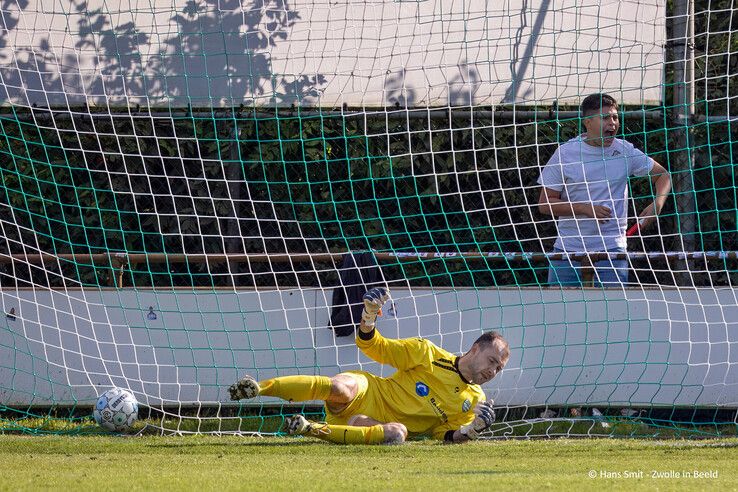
489, 338
593, 103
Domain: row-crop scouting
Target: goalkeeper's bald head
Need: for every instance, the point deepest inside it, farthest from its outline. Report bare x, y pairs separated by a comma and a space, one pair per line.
493, 338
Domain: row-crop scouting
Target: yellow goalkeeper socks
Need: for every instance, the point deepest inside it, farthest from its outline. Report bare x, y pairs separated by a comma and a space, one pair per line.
348, 434
297, 388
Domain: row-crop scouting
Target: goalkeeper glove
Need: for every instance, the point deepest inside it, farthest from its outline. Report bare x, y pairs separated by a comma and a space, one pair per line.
374, 299
485, 417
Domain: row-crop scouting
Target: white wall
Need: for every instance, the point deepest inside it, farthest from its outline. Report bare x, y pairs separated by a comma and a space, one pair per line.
634, 347
320, 52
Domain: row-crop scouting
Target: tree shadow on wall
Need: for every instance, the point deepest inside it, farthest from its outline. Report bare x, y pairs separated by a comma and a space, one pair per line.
462, 84
214, 53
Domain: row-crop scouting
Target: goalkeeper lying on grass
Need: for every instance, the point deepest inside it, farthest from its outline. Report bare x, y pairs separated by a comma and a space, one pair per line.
433, 391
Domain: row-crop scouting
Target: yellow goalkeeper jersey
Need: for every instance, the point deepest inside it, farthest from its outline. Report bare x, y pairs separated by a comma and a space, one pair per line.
427, 393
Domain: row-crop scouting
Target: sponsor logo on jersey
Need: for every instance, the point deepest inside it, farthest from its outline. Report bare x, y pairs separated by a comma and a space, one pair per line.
615, 153
465, 406
439, 411
421, 388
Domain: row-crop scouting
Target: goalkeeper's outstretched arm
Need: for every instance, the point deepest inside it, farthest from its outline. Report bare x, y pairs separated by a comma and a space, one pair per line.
403, 353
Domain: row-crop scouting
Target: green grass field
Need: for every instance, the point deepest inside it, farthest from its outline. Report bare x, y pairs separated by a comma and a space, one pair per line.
249, 463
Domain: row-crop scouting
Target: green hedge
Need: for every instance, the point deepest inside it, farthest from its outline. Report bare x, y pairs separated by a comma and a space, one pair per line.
312, 183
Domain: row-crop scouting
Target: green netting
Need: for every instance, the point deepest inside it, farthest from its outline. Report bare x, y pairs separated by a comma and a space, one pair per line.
128, 175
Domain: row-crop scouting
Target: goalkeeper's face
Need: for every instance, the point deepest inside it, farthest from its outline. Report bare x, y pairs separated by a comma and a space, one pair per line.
486, 361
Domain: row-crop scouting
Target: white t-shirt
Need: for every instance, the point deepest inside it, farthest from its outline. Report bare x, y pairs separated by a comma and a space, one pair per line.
598, 175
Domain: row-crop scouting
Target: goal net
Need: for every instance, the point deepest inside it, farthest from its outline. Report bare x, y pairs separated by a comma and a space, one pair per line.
194, 191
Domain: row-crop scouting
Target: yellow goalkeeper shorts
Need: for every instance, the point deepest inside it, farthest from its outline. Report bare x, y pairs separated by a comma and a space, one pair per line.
368, 401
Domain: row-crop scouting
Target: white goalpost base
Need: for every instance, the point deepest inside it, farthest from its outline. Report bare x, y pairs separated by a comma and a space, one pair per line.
670, 347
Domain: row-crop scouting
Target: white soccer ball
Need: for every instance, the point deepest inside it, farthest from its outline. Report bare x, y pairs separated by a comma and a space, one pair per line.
116, 410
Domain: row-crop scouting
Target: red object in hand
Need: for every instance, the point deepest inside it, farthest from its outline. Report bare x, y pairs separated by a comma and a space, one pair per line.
634, 228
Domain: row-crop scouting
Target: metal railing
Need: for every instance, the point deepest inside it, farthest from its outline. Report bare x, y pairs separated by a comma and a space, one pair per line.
120, 263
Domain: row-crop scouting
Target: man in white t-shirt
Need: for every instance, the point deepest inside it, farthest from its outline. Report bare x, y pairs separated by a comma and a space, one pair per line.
585, 187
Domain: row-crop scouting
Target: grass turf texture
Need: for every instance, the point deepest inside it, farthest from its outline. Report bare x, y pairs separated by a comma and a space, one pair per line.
282, 463
269, 424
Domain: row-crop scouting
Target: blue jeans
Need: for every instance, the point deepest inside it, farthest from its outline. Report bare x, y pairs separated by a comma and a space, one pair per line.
608, 273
